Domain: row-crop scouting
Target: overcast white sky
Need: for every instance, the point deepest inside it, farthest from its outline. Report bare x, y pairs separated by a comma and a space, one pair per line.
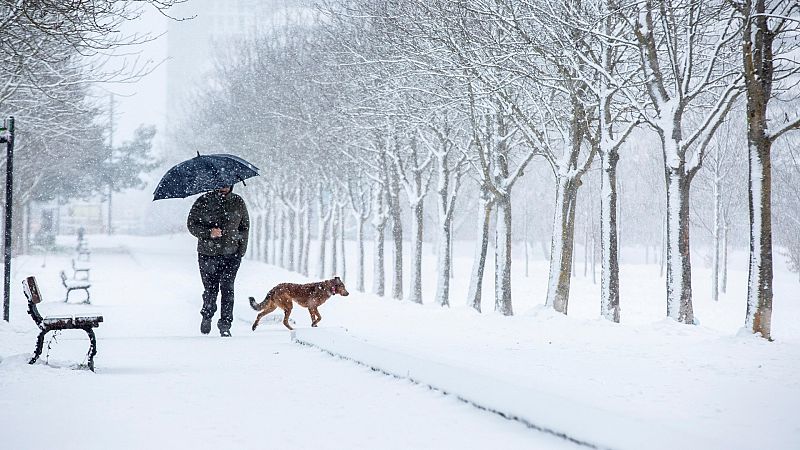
143, 102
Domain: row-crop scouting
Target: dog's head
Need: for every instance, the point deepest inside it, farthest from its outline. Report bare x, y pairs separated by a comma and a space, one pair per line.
337, 286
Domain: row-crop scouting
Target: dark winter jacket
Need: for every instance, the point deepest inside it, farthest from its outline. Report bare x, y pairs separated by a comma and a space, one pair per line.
228, 213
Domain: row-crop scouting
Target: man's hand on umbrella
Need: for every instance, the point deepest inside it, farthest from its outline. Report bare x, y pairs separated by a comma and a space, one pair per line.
216, 232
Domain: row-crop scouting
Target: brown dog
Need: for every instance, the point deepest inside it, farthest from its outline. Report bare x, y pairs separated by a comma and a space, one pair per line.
309, 296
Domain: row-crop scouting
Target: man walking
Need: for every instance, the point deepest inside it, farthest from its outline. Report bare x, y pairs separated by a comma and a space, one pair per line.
220, 222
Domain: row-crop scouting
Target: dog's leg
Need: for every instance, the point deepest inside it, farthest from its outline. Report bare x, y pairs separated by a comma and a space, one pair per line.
315, 317
286, 312
270, 307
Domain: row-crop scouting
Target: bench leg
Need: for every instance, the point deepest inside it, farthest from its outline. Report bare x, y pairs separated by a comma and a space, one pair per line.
92, 347
39, 345
86, 301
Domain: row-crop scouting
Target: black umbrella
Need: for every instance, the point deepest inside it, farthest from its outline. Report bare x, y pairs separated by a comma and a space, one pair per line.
203, 173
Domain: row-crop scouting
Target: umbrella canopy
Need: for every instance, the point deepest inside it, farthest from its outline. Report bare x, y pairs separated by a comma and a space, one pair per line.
203, 173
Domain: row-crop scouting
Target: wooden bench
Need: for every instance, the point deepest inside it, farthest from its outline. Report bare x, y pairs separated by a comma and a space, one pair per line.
82, 268
51, 323
75, 285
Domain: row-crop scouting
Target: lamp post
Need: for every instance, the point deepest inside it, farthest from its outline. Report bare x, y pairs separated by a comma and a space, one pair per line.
8, 139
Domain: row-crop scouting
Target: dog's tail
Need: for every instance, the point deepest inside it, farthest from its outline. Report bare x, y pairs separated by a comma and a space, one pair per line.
260, 306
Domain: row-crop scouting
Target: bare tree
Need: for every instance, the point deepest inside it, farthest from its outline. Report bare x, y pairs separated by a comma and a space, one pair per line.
412, 169
324, 214
359, 194
684, 51
769, 46
450, 165
605, 68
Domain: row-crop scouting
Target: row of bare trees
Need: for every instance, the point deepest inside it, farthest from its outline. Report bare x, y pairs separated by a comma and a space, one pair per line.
366, 111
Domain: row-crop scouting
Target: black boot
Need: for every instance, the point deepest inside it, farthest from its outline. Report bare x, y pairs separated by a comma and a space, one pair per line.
205, 326
225, 333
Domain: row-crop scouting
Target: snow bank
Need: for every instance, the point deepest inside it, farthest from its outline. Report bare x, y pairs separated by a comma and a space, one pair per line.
560, 416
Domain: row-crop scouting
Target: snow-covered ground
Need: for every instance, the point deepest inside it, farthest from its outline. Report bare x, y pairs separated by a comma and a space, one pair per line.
160, 384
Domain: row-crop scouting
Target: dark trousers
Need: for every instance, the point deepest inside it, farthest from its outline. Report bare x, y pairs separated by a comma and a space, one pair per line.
218, 274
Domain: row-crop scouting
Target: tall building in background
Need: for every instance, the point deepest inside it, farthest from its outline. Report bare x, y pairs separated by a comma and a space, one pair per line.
192, 42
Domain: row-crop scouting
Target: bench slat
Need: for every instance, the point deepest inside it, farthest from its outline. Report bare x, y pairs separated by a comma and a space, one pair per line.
64, 323
93, 321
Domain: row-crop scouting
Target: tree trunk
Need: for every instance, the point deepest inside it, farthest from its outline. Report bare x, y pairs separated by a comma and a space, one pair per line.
397, 237
397, 271
322, 235
562, 244
444, 242
360, 239
609, 277
379, 222
301, 237
334, 230
290, 254
273, 241
282, 240
586, 248
415, 294
725, 256
443, 264
679, 269
502, 258
266, 254
342, 249
378, 264
479, 262
759, 286
619, 221
759, 72
307, 242
717, 235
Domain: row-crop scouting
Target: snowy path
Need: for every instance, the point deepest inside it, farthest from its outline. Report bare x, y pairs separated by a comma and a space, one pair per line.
248, 392
158, 380
159, 384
